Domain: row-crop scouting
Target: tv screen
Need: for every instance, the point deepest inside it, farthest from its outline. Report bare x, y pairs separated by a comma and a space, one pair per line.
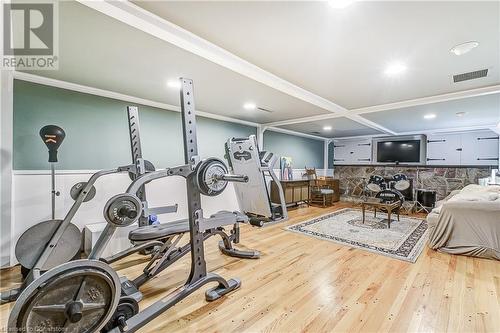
398, 151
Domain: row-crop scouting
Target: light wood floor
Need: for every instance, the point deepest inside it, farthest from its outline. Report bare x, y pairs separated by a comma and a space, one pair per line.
304, 284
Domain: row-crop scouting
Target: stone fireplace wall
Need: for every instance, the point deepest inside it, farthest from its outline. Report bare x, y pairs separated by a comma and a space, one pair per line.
441, 179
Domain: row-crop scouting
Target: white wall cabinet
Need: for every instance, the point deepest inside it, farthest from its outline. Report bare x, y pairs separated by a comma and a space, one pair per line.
347, 152
444, 149
473, 148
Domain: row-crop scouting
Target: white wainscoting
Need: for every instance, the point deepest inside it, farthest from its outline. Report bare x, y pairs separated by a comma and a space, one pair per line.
31, 200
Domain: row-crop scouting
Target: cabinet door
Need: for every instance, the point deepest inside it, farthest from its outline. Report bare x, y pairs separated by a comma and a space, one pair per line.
341, 153
479, 148
443, 149
362, 152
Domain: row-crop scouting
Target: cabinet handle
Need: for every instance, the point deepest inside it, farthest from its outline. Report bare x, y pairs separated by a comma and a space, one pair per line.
338, 146
351, 152
489, 138
488, 159
436, 159
431, 141
364, 159
459, 149
364, 144
338, 159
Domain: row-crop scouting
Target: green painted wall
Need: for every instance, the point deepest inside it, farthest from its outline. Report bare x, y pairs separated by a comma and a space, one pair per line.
303, 151
97, 131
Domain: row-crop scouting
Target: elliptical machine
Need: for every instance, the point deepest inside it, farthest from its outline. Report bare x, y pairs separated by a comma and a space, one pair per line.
85, 295
244, 157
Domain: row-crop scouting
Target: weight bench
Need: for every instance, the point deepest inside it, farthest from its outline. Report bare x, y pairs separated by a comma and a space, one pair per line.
166, 238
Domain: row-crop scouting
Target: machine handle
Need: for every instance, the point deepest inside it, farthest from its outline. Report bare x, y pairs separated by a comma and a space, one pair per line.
235, 178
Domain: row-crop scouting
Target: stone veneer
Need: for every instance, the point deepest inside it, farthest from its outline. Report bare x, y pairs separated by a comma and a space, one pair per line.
441, 179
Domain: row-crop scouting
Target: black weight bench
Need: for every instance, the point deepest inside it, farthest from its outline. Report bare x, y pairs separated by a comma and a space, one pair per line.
165, 238
159, 231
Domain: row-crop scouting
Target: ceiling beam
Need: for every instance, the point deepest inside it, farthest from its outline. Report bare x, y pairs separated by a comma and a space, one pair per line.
371, 124
154, 25
286, 131
495, 89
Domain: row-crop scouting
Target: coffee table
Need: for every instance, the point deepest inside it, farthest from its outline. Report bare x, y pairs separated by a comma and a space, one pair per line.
388, 207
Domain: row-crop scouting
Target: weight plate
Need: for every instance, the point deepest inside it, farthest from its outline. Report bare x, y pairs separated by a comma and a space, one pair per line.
208, 177
33, 241
123, 209
147, 165
76, 297
78, 188
127, 308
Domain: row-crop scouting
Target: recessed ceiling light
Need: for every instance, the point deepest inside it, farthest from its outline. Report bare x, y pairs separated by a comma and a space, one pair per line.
339, 4
174, 84
249, 106
327, 128
463, 48
395, 68
461, 114
430, 116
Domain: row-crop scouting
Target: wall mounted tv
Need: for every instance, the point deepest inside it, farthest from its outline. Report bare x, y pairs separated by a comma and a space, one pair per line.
403, 149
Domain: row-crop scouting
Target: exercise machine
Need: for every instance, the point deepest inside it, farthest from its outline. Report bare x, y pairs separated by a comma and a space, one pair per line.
31, 248
244, 157
85, 295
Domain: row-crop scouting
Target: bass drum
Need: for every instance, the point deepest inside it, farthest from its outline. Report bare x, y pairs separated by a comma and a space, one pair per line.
390, 196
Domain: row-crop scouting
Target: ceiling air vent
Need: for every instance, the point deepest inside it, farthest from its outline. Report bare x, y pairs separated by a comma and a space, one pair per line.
470, 75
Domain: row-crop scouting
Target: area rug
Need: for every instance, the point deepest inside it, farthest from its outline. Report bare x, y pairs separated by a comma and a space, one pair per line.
404, 240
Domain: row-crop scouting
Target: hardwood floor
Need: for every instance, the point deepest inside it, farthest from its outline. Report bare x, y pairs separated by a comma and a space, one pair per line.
305, 284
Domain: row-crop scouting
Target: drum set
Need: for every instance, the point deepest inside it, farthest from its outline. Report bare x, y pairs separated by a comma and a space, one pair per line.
398, 186
398, 182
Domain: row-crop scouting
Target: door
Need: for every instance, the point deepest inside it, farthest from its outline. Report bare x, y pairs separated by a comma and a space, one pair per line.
340, 152
443, 149
479, 148
362, 152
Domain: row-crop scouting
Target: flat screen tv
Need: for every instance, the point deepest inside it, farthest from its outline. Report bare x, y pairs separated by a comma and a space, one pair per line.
406, 150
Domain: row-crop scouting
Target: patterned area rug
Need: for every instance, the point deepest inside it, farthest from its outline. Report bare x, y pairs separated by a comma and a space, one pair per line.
404, 240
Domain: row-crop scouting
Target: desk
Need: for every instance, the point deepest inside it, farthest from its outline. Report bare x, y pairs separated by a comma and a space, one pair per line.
295, 191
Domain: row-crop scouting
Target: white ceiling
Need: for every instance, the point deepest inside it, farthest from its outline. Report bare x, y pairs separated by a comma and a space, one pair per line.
98, 51
341, 54
480, 110
341, 127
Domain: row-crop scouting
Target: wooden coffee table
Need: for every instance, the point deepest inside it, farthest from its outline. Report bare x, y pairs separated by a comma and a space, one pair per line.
388, 207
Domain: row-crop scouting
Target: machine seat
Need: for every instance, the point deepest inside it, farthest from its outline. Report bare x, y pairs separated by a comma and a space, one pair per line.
159, 231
